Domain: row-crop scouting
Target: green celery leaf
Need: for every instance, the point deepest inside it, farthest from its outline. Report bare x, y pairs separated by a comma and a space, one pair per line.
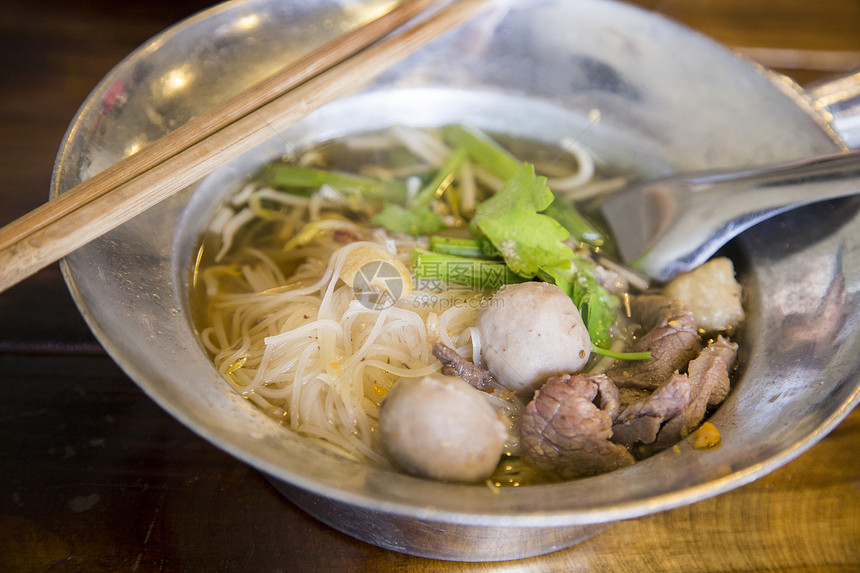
512, 222
596, 304
416, 221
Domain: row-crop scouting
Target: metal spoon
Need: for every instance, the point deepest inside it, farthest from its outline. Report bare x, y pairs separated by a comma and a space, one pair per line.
669, 226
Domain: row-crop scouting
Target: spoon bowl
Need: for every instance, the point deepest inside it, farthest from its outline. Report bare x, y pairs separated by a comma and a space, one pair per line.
668, 226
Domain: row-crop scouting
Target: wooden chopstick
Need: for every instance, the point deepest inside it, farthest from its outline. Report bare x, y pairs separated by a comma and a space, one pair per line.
209, 122
184, 156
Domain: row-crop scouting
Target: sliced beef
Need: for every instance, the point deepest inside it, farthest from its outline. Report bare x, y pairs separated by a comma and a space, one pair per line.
709, 385
640, 421
649, 423
671, 335
455, 365
609, 394
565, 432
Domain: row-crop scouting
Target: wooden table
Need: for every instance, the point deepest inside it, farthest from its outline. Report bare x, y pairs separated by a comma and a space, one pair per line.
95, 477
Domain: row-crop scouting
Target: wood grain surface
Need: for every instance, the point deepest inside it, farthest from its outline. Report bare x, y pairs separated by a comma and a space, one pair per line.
95, 477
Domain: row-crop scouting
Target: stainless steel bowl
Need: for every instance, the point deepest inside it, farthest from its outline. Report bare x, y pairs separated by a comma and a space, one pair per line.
669, 99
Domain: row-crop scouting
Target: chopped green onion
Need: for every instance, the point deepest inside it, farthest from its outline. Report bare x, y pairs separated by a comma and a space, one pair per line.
284, 176
460, 247
484, 150
438, 270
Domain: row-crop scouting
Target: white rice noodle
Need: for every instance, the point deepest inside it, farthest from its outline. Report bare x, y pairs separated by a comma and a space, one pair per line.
219, 220
318, 359
279, 197
475, 338
314, 206
228, 231
453, 322
242, 196
595, 189
468, 188
277, 277
422, 144
634, 279
584, 172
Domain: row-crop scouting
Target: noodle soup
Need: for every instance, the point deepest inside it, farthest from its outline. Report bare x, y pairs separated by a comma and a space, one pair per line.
422, 261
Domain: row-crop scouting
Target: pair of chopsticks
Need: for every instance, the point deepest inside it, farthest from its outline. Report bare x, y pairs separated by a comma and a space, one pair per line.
194, 150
